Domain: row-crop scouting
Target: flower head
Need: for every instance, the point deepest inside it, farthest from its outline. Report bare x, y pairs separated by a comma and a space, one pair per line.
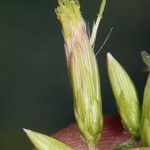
83, 70
125, 95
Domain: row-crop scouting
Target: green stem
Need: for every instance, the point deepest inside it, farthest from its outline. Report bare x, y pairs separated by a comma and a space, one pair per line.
96, 25
91, 146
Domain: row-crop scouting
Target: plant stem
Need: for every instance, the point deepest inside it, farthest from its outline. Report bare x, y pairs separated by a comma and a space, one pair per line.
91, 146
96, 25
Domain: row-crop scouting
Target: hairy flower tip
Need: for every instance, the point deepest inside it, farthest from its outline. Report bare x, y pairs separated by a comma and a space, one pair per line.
125, 95
44, 142
68, 12
146, 59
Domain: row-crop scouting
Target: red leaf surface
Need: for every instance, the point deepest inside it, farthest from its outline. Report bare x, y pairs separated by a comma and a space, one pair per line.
113, 134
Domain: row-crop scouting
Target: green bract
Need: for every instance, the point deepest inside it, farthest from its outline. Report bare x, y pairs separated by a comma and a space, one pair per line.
125, 95
145, 131
43, 142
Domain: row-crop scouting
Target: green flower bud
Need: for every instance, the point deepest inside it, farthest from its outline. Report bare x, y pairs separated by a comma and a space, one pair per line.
83, 71
44, 142
145, 131
125, 95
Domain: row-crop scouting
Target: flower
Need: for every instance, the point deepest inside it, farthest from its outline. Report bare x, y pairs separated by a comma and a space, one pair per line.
125, 95
83, 71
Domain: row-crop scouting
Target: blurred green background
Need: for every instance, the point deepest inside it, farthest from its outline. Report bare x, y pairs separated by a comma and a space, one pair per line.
34, 87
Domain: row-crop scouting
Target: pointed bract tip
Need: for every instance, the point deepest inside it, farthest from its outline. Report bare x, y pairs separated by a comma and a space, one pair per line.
109, 56
26, 130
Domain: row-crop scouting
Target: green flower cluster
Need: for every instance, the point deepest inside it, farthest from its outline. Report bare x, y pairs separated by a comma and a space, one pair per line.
85, 83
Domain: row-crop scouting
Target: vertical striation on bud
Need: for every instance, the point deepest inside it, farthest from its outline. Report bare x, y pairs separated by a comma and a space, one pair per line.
44, 142
83, 71
145, 130
125, 95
